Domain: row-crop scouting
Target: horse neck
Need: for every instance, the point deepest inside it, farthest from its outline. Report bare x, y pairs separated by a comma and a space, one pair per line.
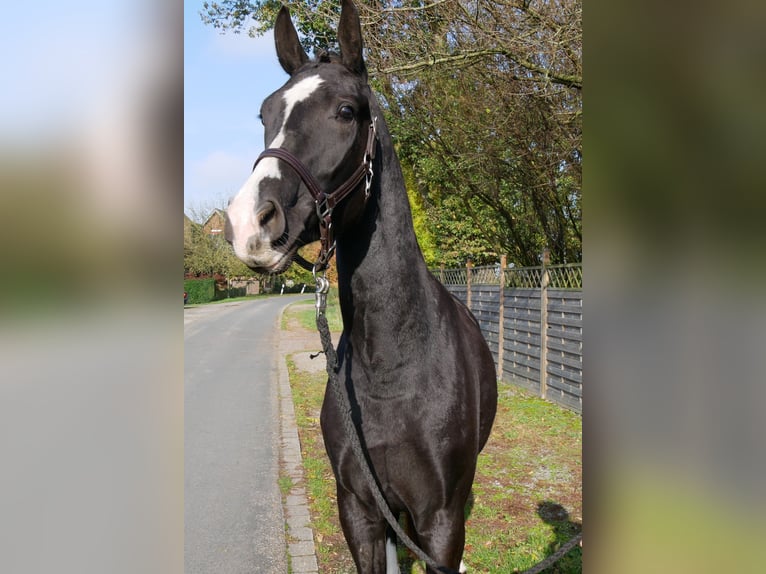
380, 266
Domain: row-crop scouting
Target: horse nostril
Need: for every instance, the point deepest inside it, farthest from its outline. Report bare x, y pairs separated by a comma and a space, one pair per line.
253, 245
267, 214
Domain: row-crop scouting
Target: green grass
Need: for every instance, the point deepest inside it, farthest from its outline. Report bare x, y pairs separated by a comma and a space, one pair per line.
285, 484
308, 393
527, 491
306, 317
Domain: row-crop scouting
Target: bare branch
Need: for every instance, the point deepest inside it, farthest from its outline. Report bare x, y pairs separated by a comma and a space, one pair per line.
570, 81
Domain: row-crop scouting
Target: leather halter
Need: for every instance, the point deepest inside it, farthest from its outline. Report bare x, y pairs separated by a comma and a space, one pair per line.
326, 202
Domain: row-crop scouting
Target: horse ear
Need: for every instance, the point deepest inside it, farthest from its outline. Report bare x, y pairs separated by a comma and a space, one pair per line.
289, 50
350, 38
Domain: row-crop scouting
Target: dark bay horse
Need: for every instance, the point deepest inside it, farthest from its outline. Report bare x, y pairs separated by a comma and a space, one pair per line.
419, 375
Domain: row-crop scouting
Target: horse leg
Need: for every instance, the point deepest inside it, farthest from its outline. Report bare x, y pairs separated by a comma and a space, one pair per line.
365, 535
392, 560
442, 537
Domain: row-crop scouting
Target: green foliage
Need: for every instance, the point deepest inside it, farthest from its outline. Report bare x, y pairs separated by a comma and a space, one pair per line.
502, 186
207, 255
200, 290
295, 274
420, 219
316, 26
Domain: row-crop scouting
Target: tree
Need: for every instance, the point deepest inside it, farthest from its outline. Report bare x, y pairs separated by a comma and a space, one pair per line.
484, 101
514, 174
208, 255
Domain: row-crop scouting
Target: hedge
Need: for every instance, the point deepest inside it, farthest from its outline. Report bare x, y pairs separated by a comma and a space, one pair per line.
200, 290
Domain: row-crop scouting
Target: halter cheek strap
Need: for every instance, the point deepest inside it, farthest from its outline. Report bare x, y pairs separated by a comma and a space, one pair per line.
326, 202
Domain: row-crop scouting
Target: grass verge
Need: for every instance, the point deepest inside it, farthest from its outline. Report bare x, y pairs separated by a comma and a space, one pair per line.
308, 393
305, 316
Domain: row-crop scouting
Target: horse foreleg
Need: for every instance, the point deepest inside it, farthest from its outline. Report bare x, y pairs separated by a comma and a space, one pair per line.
442, 536
365, 535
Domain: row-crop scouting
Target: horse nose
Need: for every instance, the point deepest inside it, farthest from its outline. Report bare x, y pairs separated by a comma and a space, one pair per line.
253, 244
271, 220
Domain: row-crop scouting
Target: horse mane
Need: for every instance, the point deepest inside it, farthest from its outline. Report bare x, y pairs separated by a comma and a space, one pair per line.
327, 57
331, 57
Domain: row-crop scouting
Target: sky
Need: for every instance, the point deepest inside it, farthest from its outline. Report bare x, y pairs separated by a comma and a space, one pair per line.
226, 77
95, 53
52, 74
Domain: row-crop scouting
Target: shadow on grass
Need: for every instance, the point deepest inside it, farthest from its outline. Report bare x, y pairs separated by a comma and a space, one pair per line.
564, 529
549, 512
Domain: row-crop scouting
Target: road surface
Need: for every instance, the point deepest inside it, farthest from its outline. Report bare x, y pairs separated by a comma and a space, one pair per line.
232, 506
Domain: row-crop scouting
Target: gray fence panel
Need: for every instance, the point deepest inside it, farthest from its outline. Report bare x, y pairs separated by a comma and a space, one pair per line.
564, 349
527, 380
515, 306
563, 333
521, 355
521, 329
485, 305
573, 362
522, 337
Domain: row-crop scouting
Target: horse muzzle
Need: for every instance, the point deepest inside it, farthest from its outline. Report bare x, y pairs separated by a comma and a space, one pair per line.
257, 232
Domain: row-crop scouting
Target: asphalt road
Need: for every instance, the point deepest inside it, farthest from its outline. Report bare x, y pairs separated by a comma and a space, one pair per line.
232, 505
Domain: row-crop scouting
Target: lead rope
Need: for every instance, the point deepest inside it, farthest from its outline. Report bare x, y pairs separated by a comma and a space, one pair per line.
322, 288
555, 557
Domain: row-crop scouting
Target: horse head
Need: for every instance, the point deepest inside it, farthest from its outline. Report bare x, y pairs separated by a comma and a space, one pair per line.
319, 123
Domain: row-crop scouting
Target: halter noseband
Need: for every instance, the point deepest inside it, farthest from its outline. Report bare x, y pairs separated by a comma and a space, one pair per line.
326, 202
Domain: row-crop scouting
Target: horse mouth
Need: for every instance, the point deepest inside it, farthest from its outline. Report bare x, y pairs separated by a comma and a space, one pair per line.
286, 260
279, 260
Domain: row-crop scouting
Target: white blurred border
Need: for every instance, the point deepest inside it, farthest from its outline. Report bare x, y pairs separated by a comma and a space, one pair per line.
91, 185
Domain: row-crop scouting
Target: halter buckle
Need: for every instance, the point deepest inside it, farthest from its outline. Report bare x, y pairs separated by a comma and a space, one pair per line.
369, 156
368, 178
322, 288
324, 211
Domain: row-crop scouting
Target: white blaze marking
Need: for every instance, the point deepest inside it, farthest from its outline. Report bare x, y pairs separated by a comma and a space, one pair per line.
299, 92
241, 211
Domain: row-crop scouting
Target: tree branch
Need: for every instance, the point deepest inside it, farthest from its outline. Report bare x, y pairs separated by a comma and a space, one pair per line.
569, 80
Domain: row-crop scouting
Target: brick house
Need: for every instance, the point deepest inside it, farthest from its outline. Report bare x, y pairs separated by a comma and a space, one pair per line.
214, 223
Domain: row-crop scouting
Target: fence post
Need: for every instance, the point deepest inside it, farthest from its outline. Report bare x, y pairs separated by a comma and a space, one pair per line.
544, 281
501, 318
441, 273
468, 267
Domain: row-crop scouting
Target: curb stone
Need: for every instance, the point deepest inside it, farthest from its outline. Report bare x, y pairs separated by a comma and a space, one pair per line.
300, 546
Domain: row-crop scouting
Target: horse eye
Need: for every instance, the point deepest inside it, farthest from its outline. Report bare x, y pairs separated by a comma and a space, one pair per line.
260, 118
346, 113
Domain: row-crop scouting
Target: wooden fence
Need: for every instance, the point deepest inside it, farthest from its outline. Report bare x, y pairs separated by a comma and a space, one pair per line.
531, 318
